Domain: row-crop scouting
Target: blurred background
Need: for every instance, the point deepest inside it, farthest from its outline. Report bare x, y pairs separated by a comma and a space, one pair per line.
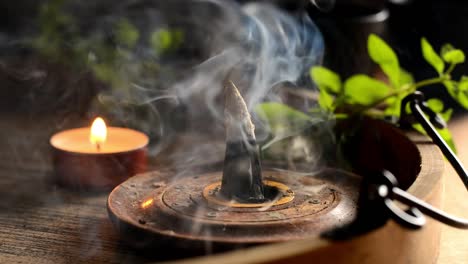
58, 55
157, 66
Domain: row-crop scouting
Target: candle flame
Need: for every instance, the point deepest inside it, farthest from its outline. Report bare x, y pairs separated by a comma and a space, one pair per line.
98, 132
147, 203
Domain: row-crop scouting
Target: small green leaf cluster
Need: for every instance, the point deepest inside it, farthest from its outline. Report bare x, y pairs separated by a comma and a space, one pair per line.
111, 60
164, 40
126, 33
123, 58
363, 94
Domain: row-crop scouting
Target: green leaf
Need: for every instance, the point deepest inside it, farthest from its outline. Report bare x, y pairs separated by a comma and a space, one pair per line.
283, 120
444, 133
463, 85
164, 39
454, 56
104, 72
447, 136
126, 33
447, 114
451, 87
326, 79
281, 117
405, 78
341, 116
382, 54
462, 99
394, 106
459, 91
107, 73
435, 104
431, 56
446, 48
161, 40
438, 106
361, 89
418, 127
325, 100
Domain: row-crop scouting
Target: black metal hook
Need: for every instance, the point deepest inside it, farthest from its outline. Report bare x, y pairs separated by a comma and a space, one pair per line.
388, 190
413, 217
419, 110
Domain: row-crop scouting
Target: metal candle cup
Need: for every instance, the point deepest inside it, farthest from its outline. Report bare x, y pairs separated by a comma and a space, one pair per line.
81, 164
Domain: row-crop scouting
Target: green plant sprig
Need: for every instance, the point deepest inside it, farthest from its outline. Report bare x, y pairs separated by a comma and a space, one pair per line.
361, 94
111, 59
406, 90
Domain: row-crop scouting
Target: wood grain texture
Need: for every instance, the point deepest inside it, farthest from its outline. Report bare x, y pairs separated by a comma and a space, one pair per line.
39, 221
389, 244
43, 223
454, 242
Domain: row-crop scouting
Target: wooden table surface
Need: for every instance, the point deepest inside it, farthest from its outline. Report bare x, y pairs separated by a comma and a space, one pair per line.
43, 223
39, 221
454, 242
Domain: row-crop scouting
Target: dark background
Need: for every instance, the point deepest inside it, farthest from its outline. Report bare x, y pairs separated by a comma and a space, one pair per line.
345, 28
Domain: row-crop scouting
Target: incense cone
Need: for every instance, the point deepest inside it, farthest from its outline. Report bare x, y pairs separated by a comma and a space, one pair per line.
242, 176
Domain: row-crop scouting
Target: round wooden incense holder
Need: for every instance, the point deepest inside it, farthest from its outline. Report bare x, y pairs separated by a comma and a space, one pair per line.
154, 209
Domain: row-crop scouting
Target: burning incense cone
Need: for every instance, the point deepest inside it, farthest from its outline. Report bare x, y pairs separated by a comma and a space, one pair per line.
242, 175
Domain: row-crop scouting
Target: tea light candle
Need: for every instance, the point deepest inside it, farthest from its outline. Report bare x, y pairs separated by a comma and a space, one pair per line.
99, 157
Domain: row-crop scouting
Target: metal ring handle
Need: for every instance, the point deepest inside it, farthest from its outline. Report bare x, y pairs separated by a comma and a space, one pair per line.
412, 218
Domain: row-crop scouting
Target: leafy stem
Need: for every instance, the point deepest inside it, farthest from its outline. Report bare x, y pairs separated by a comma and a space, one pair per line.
361, 94
406, 90
431, 81
450, 69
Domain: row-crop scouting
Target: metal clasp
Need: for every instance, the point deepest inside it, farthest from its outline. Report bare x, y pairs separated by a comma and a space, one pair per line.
388, 190
419, 110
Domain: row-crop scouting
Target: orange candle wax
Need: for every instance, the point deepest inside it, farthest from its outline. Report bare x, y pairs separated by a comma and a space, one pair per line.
99, 157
